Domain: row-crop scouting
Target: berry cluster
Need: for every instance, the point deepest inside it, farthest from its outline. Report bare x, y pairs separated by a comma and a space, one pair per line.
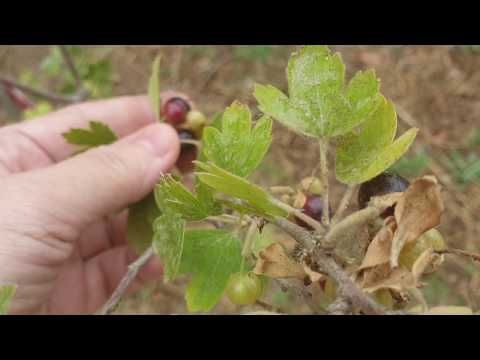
189, 124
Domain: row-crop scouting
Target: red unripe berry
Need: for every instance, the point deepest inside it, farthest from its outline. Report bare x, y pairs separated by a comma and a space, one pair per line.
175, 111
312, 207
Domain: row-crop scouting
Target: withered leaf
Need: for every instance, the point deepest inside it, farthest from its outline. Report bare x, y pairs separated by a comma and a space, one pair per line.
385, 201
274, 262
378, 251
418, 210
313, 275
427, 258
398, 279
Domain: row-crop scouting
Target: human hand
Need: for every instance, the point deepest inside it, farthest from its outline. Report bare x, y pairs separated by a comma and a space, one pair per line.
60, 240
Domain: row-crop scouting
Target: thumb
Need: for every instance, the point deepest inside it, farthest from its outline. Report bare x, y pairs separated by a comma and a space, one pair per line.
104, 180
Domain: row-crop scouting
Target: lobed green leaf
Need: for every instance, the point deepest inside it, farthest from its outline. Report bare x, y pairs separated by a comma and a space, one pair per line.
168, 240
362, 156
238, 187
319, 103
210, 256
237, 147
141, 216
98, 134
172, 195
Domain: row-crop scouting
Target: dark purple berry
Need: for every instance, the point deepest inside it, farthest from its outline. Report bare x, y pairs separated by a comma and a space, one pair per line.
383, 184
175, 111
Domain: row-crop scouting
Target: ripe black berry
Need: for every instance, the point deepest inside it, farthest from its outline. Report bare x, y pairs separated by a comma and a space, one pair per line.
188, 152
175, 111
312, 207
381, 185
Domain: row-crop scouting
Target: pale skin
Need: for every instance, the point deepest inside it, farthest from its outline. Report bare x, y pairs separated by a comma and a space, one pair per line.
63, 218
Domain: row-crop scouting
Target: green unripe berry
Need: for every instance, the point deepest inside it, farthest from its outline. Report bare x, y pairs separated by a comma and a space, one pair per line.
412, 250
196, 120
244, 288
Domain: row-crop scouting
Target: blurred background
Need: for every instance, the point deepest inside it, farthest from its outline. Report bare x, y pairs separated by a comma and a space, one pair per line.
435, 88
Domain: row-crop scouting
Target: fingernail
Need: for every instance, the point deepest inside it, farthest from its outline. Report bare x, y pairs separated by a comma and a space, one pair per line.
159, 139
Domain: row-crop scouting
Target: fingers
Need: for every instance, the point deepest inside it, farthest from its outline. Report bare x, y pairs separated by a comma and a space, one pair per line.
39, 142
99, 182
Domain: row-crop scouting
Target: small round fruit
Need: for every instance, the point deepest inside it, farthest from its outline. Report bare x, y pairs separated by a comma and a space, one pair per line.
188, 152
175, 111
244, 288
381, 185
312, 207
412, 250
196, 120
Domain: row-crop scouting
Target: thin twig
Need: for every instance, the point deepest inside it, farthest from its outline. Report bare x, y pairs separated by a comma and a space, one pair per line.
347, 196
267, 306
131, 274
346, 287
341, 306
324, 179
249, 239
43, 94
350, 223
71, 66
464, 253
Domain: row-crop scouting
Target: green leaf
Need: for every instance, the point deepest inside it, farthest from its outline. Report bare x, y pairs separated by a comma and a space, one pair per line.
168, 239
211, 256
261, 241
239, 188
172, 195
98, 134
314, 66
362, 156
216, 121
277, 105
238, 147
141, 216
6, 294
363, 93
154, 87
319, 103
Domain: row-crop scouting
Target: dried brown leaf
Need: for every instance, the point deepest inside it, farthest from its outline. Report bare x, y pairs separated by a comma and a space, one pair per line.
417, 211
382, 277
385, 201
275, 263
378, 251
299, 200
427, 258
313, 275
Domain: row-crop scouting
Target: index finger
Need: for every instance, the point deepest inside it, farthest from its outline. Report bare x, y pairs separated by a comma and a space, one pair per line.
124, 115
